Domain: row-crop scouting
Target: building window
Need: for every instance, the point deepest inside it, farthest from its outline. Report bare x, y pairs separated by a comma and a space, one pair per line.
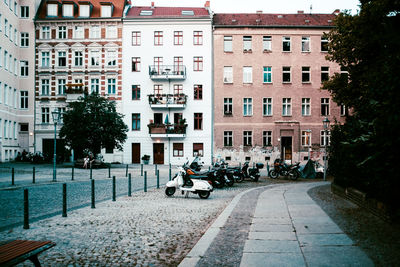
198, 121
286, 44
178, 38
78, 58
62, 32
158, 89
94, 86
46, 32
78, 32
111, 86
135, 121
198, 63
286, 107
62, 59
324, 106
45, 115
24, 12
247, 106
324, 44
247, 136
286, 75
45, 87
228, 44
305, 44
68, 10
178, 65
45, 59
325, 138
198, 149
305, 74
267, 106
178, 89
267, 43
228, 138
111, 32
24, 68
52, 10
135, 92
94, 32
267, 138
306, 138
24, 100
136, 38
197, 38
324, 74
95, 58
136, 64
158, 38
246, 43
267, 74
198, 92
61, 86
177, 149
305, 106
24, 39
158, 64
228, 75
228, 106
247, 74
111, 58
343, 110
84, 11
106, 11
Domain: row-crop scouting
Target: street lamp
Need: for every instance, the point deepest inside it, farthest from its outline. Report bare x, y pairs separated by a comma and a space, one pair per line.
326, 123
56, 118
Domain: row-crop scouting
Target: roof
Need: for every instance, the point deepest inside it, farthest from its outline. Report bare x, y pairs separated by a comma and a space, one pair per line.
273, 20
118, 8
167, 12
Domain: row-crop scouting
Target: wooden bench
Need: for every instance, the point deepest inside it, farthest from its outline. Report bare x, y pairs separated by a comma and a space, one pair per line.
17, 251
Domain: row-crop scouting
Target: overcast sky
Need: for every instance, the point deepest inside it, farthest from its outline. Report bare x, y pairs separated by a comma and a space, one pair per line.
267, 6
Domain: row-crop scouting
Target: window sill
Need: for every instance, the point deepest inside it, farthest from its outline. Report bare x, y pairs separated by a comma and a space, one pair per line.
251, 83
228, 52
267, 51
228, 115
306, 52
267, 83
306, 82
247, 115
228, 83
286, 51
268, 116
286, 115
286, 82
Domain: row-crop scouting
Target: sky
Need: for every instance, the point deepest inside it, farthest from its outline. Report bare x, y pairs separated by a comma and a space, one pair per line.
267, 6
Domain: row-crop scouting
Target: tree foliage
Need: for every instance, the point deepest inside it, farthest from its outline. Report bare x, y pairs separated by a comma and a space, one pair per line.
364, 150
93, 123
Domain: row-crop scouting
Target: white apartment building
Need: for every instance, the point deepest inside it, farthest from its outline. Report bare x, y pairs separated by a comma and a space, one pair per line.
17, 42
167, 84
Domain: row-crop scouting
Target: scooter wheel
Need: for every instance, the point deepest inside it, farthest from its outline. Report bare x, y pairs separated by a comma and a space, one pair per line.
204, 194
255, 178
273, 174
169, 191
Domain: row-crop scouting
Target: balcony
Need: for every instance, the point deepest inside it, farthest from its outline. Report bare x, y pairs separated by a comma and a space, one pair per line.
167, 72
74, 91
167, 130
167, 101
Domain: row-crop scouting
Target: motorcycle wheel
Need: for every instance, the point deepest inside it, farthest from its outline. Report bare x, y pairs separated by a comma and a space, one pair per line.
255, 178
238, 178
218, 184
169, 191
293, 175
273, 174
230, 182
204, 194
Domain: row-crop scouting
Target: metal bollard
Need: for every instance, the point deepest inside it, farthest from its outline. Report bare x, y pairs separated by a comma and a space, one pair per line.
254, 165
113, 189
93, 196
158, 179
33, 175
240, 165
26, 209
109, 171
155, 170
12, 176
169, 172
126, 171
72, 173
141, 169
64, 209
129, 185
91, 172
145, 182
209, 168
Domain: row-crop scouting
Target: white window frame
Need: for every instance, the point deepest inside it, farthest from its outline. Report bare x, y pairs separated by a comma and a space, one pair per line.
106, 11
229, 136
228, 106
247, 74
286, 106
45, 87
62, 54
61, 86
45, 59
306, 138
267, 135
111, 84
78, 58
111, 58
267, 72
267, 106
247, 136
52, 10
95, 85
79, 32
306, 107
228, 44
286, 39
267, 43
305, 44
24, 13
325, 106
84, 11
24, 99
247, 43
45, 32
95, 57
324, 71
68, 10
247, 107
95, 32
63, 31
24, 68
228, 74
111, 32
45, 115
304, 71
324, 42
24, 39
287, 70
325, 136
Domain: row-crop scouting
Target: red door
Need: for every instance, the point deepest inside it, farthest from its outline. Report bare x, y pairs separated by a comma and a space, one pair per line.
158, 153
135, 152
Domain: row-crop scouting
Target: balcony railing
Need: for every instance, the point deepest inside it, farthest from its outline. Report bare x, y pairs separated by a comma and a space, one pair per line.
167, 72
74, 91
167, 130
167, 100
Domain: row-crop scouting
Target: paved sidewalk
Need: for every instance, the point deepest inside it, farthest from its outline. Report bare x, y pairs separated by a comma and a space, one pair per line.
286, 228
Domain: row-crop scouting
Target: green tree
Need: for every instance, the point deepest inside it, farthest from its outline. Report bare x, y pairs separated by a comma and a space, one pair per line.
93, 123
364, 150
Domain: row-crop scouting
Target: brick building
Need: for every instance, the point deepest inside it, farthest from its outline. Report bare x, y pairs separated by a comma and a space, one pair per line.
268, 71
78, 49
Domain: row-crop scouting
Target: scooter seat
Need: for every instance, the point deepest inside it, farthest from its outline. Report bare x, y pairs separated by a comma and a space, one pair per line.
198, 177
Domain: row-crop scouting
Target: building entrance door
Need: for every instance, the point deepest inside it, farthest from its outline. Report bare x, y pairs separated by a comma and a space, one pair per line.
135, 152
158, 153
286, 148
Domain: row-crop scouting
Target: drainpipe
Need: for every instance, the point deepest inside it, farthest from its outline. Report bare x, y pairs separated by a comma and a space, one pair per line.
212, 92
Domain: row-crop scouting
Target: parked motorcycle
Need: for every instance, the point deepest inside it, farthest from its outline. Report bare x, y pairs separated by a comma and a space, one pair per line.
252, 173
283, 169
185, 184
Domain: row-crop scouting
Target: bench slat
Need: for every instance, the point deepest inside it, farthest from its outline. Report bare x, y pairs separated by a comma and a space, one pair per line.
19, 250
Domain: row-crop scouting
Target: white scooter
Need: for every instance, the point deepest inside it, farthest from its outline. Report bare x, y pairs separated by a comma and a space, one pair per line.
200, 187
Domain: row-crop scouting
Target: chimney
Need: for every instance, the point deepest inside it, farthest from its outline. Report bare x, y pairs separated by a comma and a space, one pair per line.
336, 12
152, 4
300, 12
207, 4
259, 12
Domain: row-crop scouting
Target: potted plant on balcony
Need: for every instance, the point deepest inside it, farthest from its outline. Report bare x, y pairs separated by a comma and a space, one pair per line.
146, 159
